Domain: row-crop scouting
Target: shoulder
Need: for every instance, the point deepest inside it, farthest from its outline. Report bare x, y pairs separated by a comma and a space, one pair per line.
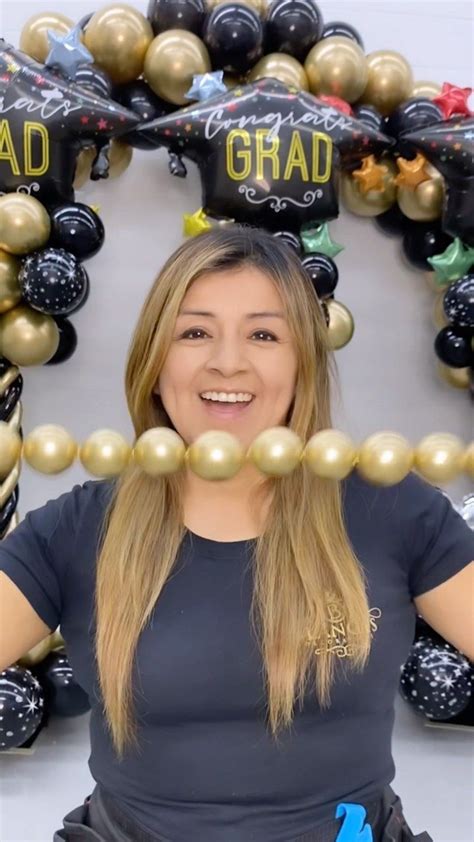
407, 499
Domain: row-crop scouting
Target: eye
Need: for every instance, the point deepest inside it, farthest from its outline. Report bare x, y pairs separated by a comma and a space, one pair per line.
188, 334
266, 333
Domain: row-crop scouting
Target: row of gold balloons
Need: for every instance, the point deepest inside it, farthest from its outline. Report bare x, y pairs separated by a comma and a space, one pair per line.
383, 458
121, 40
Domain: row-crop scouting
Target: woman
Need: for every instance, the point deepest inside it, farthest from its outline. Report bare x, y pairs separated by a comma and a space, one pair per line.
240, 641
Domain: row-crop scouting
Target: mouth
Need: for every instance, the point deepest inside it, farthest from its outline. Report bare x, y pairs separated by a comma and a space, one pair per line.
221, 409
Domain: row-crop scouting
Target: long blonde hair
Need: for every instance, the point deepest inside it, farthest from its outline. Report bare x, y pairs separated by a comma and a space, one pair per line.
302, 560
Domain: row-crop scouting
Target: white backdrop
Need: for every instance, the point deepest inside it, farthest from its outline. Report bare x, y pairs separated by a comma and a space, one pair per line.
388, 378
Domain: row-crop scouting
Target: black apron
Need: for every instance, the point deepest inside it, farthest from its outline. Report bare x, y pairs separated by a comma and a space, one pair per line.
100, 819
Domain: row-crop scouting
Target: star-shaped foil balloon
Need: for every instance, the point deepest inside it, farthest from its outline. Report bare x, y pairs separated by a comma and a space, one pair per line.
370, 175
318, 239
453, 100
206, 85
44, 119
195, 223
452, 263
67, 52
267, 153
412, 173
449, 146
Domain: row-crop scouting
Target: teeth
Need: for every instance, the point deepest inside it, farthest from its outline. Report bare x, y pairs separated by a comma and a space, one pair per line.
232, 397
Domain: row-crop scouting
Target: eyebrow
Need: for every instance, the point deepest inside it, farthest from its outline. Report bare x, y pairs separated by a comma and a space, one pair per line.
277, 314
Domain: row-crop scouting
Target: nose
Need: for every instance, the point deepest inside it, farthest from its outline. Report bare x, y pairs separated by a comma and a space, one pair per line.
227, 356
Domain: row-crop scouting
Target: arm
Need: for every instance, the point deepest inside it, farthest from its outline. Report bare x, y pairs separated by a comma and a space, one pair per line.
21, 628
449, 610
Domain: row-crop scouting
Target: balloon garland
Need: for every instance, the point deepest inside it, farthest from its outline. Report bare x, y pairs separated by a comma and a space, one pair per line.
283, 107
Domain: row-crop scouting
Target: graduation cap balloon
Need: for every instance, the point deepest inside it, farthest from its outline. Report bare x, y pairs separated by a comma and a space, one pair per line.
268, 154
449, 146
44, 119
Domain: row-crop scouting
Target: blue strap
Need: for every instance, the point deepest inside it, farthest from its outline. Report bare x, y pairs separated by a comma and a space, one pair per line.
353, 828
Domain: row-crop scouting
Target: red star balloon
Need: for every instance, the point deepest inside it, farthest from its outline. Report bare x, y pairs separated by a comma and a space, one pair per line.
453, 100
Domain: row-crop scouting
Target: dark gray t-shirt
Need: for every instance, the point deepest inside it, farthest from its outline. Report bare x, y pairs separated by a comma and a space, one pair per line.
208, 768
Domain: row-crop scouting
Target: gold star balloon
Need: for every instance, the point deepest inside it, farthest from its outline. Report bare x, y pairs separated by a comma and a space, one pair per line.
371, 175
412, 173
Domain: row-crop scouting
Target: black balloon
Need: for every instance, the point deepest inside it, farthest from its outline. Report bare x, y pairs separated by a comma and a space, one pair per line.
10, 397
64, 697
21, 705
369, 115
44, 120
176, 14
8, 510
458, 301
322, 272
67, 341
292, 27
53, 282
137, 96
339, 27
453, 346
94, 79
290, 239
393, 221
436, 679
233, 35
423, 240
76, 228
267, 155
409, 116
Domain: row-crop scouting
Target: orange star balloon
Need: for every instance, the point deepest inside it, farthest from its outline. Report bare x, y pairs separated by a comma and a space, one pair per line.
371, 175
412, 173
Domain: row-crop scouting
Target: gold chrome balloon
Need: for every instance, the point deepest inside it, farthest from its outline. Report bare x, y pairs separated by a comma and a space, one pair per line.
34, 35
425, 202
276, 451
37, 654
10, 291
385, 458
84, 162
159, 451
172, 59
468, 460
10, 448
341, 324
105, 453
457, 377
390, 80
260, 6
439, 457
439, 316
425, 89
118, 37
27, 336
283, 67
215, 455
373, 202
49, 449
330, 454
337, 66
57, 641
120, 155
24, 223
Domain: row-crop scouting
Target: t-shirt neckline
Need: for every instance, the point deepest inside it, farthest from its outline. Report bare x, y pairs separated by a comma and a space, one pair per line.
218, 549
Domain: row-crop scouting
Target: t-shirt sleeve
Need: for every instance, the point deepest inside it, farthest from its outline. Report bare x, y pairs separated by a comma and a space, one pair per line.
36, 553
438, 541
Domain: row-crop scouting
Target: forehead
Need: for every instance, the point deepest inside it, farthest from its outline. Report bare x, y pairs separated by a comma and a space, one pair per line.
238, 289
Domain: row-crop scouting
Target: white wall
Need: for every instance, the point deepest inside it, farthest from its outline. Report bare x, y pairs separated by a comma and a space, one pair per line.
388, 371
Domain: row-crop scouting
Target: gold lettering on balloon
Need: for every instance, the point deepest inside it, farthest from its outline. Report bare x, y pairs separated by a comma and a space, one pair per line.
262, 154
321, 140
7, 150
29, 129
296, 158
243, 155
271, 153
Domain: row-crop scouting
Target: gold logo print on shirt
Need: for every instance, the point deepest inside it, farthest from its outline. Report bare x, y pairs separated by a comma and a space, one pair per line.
337, 642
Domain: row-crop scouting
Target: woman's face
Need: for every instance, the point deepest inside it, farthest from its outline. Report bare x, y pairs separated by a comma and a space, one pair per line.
219, 345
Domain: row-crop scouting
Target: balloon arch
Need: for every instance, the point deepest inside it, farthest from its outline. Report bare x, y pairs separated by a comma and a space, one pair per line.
282, 113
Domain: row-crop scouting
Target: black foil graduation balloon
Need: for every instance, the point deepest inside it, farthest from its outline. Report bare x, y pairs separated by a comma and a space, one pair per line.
422, 240
67, 341
76, 228
267, 155
322, 272
458, 301
94, 79
176, 14
413, 114
21, 705
340, 27
292, 27
436, 679
233, 35
453, 346
139, 97
53, 282
43, 121
64, 696
369, 115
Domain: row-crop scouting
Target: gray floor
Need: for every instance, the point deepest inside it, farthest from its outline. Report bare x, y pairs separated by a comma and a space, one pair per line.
435, 779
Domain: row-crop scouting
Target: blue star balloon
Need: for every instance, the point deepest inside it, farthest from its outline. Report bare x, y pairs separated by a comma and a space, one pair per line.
206, 85
67, 52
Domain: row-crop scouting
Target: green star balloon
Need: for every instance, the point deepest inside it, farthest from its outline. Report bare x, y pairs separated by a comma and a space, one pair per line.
452, 263
317, 238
